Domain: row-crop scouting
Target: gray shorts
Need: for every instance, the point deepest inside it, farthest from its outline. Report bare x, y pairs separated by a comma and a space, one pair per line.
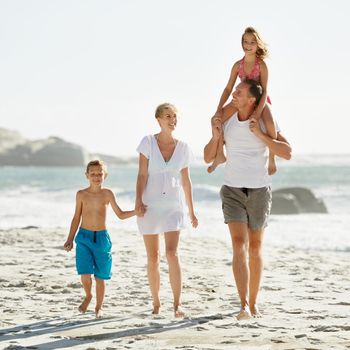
249, 205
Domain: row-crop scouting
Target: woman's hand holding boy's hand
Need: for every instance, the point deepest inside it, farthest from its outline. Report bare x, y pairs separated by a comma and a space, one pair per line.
140, 208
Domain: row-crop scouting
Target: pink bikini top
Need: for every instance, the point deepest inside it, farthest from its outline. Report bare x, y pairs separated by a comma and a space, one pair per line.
254, 74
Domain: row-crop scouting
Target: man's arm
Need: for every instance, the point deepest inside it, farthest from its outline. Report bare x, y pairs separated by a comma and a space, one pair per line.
279, 147
211, 148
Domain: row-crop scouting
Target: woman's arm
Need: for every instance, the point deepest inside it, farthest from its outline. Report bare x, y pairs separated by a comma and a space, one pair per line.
141, 182
187, 186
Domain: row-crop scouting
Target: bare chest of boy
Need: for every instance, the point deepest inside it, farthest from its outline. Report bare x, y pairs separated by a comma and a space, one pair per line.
94, 211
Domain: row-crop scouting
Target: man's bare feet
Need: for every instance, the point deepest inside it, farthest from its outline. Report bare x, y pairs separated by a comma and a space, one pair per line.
156, 310
254, 310
272, 168
98, 312
84, 305
178, 312
220, 158
244, 314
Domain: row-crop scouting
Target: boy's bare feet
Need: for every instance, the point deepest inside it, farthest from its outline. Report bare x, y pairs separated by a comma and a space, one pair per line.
254, 310
220, 158
84, 305
178, 312
98, 312
244, 314
272, 168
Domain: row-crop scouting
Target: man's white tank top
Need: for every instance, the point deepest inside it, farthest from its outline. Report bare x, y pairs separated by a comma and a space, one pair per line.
246, 156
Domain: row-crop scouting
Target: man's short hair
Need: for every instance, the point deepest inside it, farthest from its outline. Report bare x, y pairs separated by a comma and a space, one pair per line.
255, 89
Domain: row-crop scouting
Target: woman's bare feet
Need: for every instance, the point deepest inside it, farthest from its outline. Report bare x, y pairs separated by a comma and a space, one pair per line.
178, 312
254, 310
220, 158
244, 314
84, 305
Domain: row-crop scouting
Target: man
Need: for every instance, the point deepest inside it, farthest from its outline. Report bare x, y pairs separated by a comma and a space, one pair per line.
246, 193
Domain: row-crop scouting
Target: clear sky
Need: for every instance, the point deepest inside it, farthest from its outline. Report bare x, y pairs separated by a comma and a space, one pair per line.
92, 72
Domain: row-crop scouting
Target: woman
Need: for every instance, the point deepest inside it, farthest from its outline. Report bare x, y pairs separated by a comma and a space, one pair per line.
163, 186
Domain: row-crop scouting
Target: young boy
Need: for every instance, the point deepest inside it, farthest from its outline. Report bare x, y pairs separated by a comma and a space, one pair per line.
93, 244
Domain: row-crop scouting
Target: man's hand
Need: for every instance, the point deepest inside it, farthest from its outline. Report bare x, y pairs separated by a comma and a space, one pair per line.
254, 127
216, 127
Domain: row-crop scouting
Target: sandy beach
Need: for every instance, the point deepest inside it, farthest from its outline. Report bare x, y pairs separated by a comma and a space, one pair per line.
305, 298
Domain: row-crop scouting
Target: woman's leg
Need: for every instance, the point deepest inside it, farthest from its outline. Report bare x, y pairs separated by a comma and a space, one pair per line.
171, 245
152, 248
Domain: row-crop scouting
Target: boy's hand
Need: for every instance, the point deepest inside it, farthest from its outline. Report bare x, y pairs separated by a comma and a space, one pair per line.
68, 246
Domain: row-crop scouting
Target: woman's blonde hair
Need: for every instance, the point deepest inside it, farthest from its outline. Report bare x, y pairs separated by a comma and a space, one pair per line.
262, 51
164, 106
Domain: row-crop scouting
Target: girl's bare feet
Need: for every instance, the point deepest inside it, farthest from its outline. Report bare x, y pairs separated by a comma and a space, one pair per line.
84, 305
178, 312
220, 158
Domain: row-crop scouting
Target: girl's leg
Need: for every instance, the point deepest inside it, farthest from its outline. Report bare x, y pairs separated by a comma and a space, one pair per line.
171, 244
152, 248
87, 285
100, 295
220, 156
267, 118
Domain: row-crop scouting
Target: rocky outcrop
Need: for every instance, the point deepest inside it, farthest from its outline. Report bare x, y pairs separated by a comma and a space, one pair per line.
296, 200
15, 150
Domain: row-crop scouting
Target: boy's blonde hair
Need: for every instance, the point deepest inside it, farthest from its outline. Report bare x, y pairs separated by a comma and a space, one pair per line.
97, 162
262, 51
164, 106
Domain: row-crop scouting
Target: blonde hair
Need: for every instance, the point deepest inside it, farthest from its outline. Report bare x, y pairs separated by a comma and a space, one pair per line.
262, 51
164, 106
97, 162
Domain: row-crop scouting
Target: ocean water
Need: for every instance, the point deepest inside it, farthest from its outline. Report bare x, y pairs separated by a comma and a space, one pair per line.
45, 197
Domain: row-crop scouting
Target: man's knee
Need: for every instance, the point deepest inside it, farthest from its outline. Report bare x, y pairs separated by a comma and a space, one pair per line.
255, 249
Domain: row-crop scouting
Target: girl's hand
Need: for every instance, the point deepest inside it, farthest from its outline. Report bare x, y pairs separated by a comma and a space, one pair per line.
68, 246
194, 220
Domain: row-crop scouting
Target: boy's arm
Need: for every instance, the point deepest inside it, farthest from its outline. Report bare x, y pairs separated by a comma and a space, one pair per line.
142, 177
187, 187
229, 87
68, 245
120, 213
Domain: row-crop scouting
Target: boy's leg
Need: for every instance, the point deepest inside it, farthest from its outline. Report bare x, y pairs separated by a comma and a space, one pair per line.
267, 118
171, 245
152, 248
87, 285
100, 295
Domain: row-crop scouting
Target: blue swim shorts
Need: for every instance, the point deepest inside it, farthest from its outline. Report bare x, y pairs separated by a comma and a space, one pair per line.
93, 253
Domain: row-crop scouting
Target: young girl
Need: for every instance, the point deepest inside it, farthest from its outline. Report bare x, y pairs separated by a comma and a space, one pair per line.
251, 66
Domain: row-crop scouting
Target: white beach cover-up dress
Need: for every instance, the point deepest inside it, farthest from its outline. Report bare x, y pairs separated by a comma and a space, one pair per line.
163, 195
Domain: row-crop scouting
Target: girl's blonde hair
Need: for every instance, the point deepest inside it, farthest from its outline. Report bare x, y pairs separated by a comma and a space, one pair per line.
164, 106
262, 51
